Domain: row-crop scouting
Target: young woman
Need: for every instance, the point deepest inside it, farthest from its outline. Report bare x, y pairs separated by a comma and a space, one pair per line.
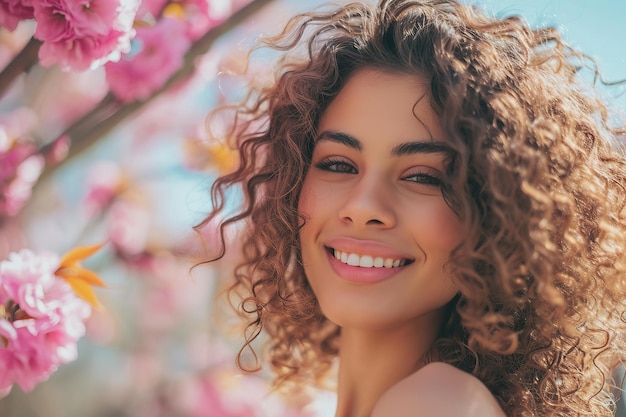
433, 199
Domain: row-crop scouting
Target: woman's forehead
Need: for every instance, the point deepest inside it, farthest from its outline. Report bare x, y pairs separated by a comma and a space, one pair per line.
384, 105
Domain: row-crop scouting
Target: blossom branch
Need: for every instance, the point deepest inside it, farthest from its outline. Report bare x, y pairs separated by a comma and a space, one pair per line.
84, 134
22, 62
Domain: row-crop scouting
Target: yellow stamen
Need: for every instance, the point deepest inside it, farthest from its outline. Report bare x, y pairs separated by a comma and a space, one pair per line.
175, 10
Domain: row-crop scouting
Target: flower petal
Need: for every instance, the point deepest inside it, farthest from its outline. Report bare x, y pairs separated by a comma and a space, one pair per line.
83, 290
80, 253
80, 273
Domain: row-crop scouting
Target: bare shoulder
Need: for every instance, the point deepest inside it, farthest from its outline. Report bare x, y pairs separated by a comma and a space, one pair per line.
438, 390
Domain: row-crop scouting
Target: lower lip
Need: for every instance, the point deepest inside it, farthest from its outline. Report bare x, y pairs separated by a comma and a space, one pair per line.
361, 275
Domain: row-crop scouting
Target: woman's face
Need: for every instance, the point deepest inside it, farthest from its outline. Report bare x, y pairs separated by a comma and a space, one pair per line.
378, 231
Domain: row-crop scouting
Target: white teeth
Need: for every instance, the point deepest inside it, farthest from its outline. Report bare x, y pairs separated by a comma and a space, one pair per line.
366, 261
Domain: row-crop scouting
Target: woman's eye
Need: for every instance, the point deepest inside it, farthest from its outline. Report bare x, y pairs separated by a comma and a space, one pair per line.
424, 178
336, 166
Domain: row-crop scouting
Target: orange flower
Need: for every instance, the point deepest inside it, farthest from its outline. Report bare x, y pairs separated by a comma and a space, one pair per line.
223, 157
214, 155
80, 279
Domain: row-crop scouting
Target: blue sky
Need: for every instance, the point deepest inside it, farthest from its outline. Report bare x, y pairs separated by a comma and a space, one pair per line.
595, 27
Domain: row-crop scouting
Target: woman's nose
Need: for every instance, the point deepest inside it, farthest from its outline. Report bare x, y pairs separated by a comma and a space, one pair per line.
369, 204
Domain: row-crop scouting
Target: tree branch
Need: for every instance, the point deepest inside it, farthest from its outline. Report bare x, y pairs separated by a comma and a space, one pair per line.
22, 62
83, 136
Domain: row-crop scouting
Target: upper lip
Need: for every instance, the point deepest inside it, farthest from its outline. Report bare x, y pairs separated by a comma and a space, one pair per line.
366, 247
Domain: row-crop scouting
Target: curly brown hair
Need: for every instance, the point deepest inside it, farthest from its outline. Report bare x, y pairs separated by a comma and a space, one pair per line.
538, 181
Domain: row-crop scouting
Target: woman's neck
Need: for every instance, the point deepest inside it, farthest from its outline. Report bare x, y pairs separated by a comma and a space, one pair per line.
372, 361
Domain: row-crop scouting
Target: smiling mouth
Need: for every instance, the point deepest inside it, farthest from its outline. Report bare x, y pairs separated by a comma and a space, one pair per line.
368, 261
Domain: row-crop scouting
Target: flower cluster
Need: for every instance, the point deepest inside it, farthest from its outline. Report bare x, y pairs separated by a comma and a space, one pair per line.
158, 53
82, 34
158, 49
20, 166
13, 11
44, 302
115, 56
78, 34
150, 37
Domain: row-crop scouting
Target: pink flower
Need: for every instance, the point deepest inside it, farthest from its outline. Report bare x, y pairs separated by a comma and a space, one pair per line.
83, 34
200, 15
129, 226
201, 397
151, 7
13, 11
226, 394
16, 191
105, 180
41, 319
160, 52
17, 123
197, 14
20, 165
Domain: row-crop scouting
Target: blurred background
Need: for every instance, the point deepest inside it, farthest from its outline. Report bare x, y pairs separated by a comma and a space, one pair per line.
129, 163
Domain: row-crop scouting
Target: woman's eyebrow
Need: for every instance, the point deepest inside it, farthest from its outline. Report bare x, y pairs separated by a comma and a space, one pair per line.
406, 148
342, 138
409, 148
